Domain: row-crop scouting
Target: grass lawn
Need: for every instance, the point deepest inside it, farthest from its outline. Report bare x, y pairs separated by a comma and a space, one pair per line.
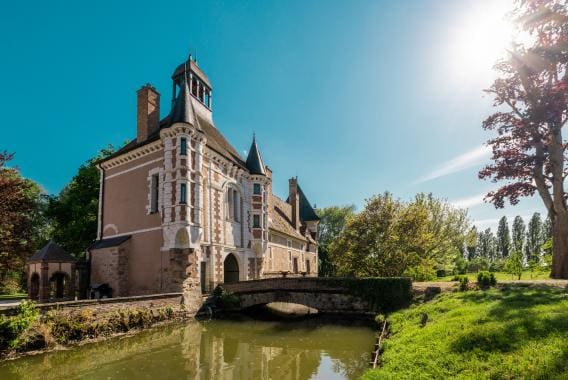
502, 276
12, 296
512, 333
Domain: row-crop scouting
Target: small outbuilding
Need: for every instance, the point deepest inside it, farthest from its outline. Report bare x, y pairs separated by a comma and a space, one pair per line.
51, 274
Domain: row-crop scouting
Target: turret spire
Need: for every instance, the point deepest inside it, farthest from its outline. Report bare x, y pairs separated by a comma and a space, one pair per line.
254, 163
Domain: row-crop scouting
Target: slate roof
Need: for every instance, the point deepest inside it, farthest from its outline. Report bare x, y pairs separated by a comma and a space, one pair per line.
182, 111
52, 252
280, 217
254, 163
109, 242
307, 212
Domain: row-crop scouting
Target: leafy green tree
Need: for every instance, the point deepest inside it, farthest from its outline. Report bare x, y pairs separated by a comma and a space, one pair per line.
74, 211
471, 242
391, 237
514, 264
487, 245
534, 240
332, 223
519, 234
503, 237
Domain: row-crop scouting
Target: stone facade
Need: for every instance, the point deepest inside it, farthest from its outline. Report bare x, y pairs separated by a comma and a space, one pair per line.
178, 203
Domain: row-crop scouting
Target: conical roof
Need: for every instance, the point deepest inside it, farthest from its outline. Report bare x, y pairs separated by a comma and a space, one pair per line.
182, 111
254, 163
52, 252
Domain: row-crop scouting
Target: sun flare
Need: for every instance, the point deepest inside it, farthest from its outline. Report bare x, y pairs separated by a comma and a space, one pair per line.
481, 37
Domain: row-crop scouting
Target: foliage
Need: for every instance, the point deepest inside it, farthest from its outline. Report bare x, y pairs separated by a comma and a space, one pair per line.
11, 283
478, 264
384, 294
514, 264
74, 211
460, 266
519, 234
503, 237
225, 299
13, 329
534, 240
464, 283
531, 98
513, 333
332, 223
486, 279
487, 245
22, 226
389, 237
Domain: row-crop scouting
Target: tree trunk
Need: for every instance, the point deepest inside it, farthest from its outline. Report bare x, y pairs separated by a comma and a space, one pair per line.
560, 246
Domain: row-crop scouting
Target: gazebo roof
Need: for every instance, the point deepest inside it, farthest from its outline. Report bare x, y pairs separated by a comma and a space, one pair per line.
53, 253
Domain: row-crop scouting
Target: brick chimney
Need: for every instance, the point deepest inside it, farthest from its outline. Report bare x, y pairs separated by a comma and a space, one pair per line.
148, 112
294, 199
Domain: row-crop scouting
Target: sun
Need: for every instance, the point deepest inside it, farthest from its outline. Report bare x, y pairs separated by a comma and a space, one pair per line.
480, 37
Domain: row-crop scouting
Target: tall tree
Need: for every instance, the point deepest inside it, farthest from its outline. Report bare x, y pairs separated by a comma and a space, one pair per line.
519, 234
531, 94
503, 237
471, 243
535, 240
390, 237
332, 222
18, 205
75, 210
487, 246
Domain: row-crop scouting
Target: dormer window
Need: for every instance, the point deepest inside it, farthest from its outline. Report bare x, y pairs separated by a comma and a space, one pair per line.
256, 189
183, 146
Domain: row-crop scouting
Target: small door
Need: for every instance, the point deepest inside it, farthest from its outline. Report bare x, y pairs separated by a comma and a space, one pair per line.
295, 265
308, 266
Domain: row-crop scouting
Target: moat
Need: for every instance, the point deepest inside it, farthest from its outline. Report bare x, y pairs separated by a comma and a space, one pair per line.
219, 349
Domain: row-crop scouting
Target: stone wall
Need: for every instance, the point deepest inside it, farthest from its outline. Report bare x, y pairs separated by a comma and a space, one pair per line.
107, 305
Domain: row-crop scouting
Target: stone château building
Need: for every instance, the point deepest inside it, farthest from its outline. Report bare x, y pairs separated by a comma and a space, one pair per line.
179, 208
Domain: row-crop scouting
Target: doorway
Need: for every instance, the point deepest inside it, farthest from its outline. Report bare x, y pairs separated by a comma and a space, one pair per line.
230, 269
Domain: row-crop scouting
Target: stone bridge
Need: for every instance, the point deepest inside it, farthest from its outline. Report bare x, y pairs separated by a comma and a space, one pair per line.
327, 295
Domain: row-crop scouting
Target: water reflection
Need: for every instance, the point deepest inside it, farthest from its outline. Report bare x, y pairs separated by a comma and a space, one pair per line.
212, 350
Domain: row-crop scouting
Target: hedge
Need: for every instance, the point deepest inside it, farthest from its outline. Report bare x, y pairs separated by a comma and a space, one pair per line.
384, 294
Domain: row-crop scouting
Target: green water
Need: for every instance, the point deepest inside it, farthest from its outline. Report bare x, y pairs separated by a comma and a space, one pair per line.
218, 349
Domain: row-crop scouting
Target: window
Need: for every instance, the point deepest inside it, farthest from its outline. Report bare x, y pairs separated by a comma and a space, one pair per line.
235, 206
256, 221
183, 194
155, 182
256, 189
183, 146
308, 266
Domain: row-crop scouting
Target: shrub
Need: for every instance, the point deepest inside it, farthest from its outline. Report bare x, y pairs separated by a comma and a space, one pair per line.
384, 294
225, 299
486, 279
12, 283
441, 273
464, 282
13, 329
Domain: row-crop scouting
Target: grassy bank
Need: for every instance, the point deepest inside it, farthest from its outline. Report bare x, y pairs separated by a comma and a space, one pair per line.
507, 333
29, 330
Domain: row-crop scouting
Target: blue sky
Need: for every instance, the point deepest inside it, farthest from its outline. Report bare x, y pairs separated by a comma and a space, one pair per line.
354, 97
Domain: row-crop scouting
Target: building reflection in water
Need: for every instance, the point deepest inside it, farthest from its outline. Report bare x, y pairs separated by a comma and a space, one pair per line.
224, 350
